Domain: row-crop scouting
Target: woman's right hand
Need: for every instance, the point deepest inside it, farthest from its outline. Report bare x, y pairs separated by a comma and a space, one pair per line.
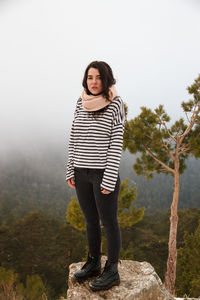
71, 182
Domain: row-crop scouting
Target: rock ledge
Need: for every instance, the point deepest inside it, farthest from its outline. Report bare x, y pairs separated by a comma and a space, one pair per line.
139, 281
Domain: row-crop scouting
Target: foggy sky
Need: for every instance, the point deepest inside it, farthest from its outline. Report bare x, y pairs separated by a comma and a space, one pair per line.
152, 46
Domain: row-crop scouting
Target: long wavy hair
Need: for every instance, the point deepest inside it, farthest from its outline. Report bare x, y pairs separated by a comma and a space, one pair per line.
107, 80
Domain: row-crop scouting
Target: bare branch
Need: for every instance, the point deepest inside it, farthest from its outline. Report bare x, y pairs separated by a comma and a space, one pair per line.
172, 137
187, 117
168, 151
164, 124
159, 161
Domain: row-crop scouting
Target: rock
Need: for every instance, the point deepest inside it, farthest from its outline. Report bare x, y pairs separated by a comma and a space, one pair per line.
139, 281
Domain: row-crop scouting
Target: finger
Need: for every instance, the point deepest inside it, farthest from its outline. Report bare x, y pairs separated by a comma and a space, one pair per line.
105, 191
71, 183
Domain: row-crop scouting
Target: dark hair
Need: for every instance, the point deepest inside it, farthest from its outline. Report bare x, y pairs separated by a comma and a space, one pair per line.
106, 77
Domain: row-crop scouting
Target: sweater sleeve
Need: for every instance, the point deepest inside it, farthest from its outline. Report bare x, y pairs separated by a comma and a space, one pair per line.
115, 148
70, 163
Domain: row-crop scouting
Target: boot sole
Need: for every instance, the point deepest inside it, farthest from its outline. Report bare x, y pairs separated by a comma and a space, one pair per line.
80, 280
95, 289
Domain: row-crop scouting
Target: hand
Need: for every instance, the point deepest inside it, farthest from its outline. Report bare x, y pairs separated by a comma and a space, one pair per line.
103, 191
71, 182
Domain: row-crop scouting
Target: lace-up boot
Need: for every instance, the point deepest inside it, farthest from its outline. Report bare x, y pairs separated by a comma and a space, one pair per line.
107, 279
91, 268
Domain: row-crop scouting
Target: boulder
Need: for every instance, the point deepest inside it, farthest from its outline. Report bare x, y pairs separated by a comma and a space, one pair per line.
139, 281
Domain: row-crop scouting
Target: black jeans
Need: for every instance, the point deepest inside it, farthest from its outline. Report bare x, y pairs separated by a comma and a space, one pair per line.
96, 206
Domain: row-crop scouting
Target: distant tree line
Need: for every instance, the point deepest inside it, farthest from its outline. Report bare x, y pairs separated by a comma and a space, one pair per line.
24, 188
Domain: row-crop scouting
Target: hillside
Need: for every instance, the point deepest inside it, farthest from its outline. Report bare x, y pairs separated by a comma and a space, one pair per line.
29, 182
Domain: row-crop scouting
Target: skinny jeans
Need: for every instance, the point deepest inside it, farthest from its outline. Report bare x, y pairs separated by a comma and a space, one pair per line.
97, 206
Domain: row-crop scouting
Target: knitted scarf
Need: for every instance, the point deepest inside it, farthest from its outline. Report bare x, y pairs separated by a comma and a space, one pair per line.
93, 103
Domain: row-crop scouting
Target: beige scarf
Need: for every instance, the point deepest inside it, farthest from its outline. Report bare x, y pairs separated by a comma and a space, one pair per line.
93, 103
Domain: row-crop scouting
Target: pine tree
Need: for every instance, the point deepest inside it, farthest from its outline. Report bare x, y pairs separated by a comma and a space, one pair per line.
165, 150
12, 289
75, 216
127, 213
9, 285
35, 289
188, 265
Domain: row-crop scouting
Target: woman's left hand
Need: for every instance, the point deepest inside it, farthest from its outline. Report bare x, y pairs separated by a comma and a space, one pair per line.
105, 191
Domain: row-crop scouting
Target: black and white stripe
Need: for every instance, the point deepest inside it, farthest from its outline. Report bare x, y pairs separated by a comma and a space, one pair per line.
96, 142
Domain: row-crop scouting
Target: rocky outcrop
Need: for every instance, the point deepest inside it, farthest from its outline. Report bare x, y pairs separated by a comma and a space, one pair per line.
139, 281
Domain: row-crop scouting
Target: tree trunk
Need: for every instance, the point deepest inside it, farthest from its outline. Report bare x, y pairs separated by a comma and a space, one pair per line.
170, 275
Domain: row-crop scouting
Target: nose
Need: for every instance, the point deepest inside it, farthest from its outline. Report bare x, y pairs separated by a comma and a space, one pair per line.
94, 80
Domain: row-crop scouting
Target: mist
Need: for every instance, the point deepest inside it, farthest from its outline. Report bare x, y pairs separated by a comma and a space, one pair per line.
152, 46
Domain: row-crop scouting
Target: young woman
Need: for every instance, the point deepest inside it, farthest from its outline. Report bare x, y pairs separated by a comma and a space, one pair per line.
95, 148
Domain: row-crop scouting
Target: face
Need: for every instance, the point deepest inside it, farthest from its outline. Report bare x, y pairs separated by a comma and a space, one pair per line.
94, 82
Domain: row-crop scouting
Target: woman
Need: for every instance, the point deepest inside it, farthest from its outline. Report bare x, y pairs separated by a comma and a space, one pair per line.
95, 148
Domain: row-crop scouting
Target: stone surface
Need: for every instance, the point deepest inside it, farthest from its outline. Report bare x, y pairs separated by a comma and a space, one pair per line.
139, 281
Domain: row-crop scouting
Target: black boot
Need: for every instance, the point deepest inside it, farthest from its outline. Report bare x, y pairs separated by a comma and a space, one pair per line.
91, 268
107, 279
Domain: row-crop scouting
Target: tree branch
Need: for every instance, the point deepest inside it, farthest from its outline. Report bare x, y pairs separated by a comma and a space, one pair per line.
184, 149
163, 170
168, 151
168, 142
159, 161
189, 127
167, 129
187, 117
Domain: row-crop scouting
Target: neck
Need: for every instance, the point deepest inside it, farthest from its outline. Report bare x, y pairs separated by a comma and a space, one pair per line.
96, 94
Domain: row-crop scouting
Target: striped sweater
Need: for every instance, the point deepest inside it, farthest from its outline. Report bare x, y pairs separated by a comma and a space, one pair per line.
96, 142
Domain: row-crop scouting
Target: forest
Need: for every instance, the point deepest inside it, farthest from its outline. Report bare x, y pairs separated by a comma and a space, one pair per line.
37, 244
